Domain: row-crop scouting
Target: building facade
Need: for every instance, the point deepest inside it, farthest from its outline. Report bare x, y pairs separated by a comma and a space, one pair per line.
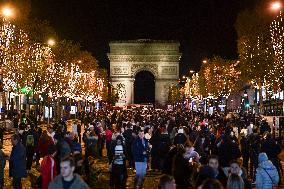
127, 58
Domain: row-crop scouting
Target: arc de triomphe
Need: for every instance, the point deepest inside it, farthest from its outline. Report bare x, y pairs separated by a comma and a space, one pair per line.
127, 58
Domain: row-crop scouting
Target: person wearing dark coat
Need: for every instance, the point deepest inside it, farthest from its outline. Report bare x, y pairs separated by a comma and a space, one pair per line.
180, 138
227, 145
3, 159
213, 161
184, 172
30, 141
205, 172
140, 151
155, 141
244, 143
254, 150
272, 149
165, 143
17, 162
129, 138
167, 168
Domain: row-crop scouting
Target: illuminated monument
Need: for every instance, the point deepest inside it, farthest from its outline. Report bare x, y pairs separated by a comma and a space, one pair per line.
128, 58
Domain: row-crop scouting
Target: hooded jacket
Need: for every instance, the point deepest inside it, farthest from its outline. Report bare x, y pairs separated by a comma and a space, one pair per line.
266, 173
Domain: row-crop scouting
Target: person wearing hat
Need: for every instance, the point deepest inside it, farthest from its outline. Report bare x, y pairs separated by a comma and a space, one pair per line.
266, 173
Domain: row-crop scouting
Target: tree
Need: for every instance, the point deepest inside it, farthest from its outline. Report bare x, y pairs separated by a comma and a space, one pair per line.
276, 75
254, 48
174, 94
192, 87
219, 77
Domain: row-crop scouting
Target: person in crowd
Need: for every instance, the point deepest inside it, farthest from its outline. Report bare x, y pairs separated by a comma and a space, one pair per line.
202, 145
272, 150
31, 143
44, 141
2, 130
67, 178
254, 150
118, 165
236, 168
17, 162
91, 141
213, 161
74, 128
3, 159
79, 130
129, 137
164, 147
211, 184
264, 127
76, 145
180, 137
50, 132
48, 166
184, 170
167, 168
79, 161
235, 182
244, 143
190, 153
37, 153
205, 172
65, 145
155, 142
100, 143
108, 135
226, 145
266, 173
167, 182
140, 151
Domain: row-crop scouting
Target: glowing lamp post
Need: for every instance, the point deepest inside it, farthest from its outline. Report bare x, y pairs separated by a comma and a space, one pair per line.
276, 6
7, 12
51, 42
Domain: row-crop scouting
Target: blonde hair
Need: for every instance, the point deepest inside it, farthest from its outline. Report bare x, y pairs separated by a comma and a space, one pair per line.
235, 182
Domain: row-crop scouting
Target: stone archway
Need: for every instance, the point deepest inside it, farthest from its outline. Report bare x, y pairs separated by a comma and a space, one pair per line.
128, 58
144, 87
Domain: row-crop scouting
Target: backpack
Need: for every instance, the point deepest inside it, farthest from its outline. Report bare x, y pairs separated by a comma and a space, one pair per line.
30, 140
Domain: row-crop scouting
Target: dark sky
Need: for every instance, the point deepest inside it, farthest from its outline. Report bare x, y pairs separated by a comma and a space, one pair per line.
203, 27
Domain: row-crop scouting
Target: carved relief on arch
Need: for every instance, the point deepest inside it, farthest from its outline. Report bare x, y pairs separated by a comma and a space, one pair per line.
153, 68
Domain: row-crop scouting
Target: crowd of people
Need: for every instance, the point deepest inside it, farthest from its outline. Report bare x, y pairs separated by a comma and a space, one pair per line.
190, 149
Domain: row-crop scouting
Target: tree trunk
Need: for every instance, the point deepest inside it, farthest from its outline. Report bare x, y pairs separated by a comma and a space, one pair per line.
260, 101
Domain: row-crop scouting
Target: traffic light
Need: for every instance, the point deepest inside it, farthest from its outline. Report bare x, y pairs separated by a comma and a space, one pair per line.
24, 89
247, 104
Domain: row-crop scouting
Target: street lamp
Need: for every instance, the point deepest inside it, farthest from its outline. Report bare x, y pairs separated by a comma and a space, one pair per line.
276, 6
7, 12
51, 42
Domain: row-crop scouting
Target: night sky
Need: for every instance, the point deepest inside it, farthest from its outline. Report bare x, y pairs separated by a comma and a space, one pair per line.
203, 27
